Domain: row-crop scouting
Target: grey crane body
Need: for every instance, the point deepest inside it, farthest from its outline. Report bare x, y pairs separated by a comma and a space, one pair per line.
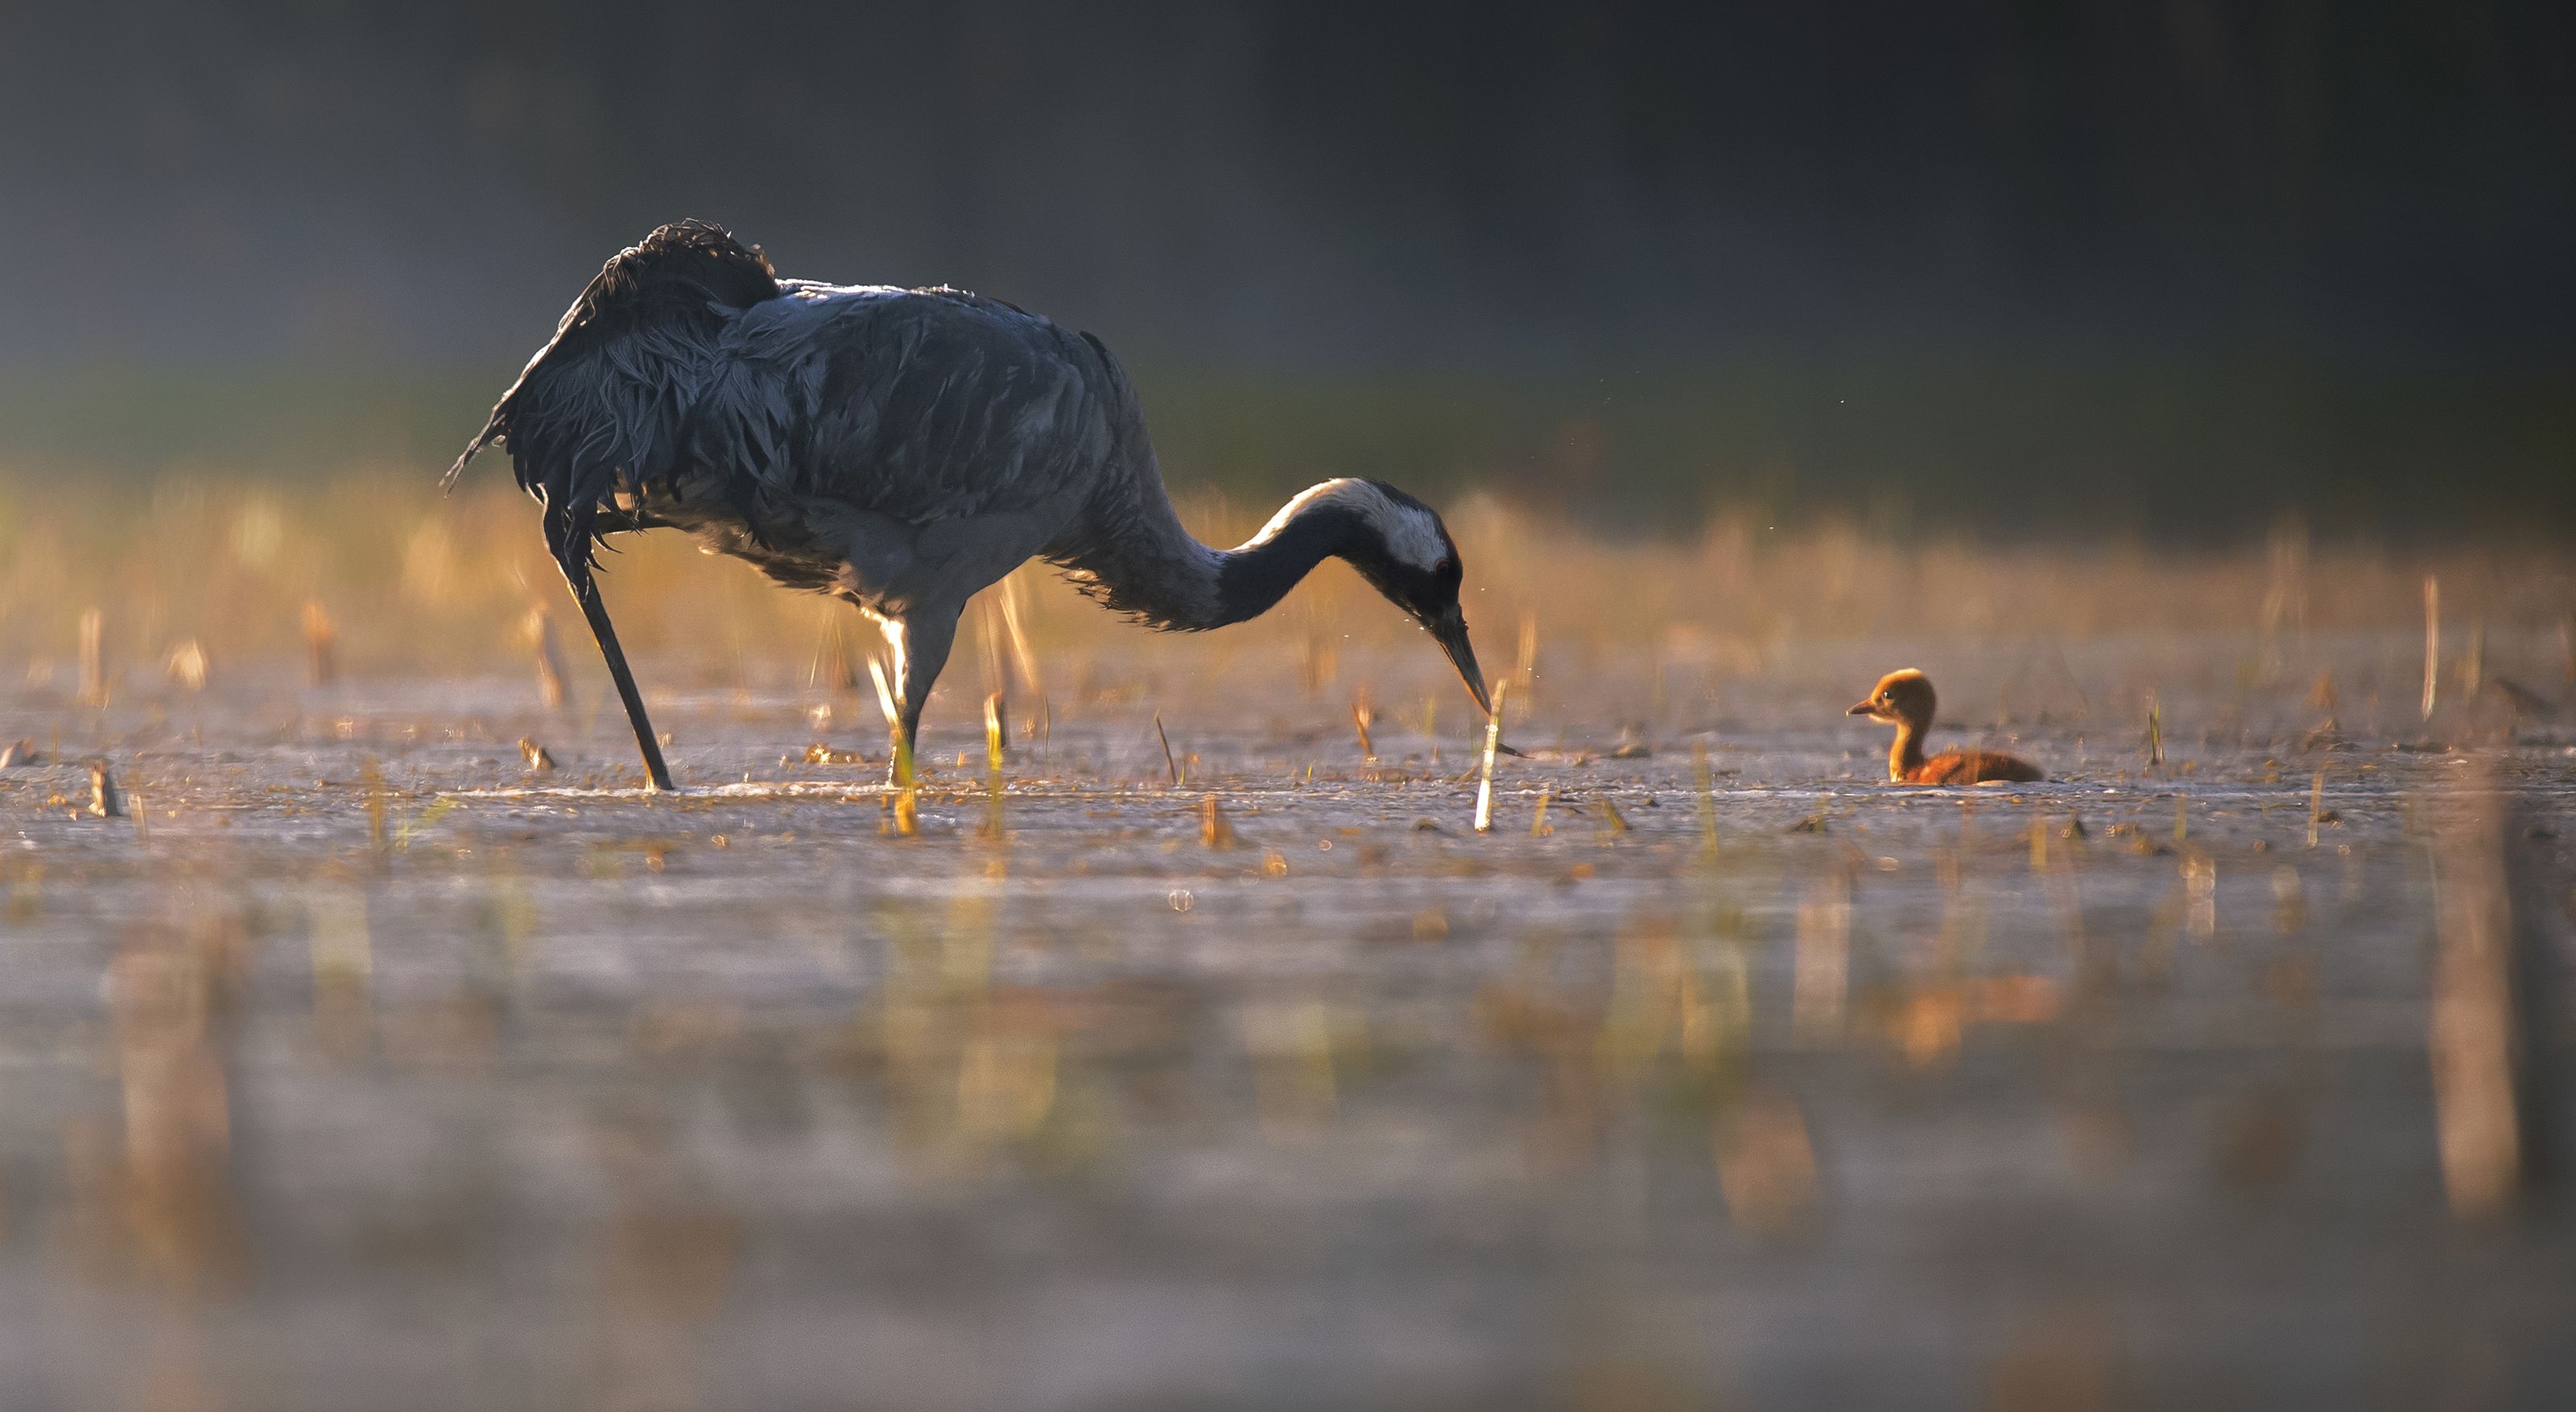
900, 450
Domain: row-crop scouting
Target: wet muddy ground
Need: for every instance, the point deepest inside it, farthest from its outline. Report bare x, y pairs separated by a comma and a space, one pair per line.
359, 1066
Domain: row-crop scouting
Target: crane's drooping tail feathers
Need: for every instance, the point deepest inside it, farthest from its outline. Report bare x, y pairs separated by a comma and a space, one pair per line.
607, 399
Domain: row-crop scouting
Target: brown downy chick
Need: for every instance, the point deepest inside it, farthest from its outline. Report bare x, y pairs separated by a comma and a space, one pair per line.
1904, 699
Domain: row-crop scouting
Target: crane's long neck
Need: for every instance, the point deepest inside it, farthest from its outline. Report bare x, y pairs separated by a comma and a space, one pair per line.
1906, 755
1255, 575
1152, 567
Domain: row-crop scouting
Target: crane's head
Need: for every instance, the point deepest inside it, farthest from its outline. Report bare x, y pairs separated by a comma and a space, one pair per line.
1405, 552
1900, 698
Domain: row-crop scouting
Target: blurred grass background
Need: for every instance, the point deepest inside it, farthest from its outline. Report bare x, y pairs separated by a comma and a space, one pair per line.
1721, 515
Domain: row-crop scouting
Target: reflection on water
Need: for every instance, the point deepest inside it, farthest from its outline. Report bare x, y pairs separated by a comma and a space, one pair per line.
1824, 959
147, 1205
1771, 1094
2479, 1050
666, 1257
158, 1185
1764, 1164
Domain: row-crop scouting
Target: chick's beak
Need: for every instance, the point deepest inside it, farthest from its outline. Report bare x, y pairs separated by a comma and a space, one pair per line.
1450, 630
1863, 709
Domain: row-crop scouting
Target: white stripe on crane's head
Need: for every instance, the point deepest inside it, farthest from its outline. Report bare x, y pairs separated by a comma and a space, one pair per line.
1411, 532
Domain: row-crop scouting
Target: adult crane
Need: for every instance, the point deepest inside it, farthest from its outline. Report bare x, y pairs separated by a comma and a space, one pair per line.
899, 449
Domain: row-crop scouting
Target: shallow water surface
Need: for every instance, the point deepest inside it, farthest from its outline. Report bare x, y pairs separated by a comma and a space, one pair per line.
362, 1067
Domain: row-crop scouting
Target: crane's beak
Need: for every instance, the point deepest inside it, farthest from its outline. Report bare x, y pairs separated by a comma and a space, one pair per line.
1863, 709
1450, 630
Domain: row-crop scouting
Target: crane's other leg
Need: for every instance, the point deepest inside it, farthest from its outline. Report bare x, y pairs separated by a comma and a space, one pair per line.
919, 641
655, 771
585, 591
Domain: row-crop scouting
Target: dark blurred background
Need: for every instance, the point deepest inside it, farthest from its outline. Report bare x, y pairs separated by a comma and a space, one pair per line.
2173, 268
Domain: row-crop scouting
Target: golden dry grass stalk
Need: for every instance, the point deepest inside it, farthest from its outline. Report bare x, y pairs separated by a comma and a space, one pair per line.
321, 644
186, 666
1024, 657
1171, 766
93, 658
885, 692
1485, 770
994, 712
833, 667
988, 643
1704, 788
539, 630
2432, 642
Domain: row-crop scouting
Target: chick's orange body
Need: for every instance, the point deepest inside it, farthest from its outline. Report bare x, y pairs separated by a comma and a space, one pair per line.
1971, 767
1905, 700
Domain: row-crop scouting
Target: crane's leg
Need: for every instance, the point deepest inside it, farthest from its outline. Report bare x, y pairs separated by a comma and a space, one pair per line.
920, 641
586, 592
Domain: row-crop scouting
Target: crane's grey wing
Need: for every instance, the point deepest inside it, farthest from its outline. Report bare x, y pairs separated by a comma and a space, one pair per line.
923, 406
968, 420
